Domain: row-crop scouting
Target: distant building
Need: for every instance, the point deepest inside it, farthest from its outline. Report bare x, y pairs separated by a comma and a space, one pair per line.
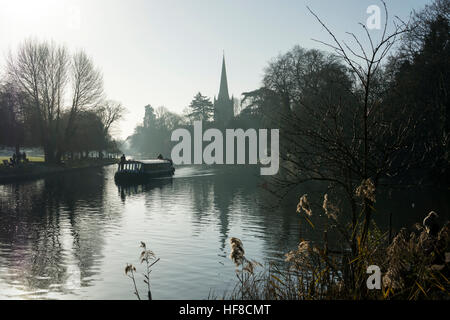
223, 105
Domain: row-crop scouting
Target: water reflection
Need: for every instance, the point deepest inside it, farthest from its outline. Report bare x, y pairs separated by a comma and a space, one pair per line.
129, 189
50, 234
70, 236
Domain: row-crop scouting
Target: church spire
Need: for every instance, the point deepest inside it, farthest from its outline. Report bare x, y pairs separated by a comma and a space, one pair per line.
223, 91
223, 106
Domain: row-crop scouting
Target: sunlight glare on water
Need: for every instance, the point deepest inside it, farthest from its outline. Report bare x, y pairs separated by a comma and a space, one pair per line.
71, 236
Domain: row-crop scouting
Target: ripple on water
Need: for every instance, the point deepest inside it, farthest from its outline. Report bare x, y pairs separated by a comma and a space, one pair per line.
74, 234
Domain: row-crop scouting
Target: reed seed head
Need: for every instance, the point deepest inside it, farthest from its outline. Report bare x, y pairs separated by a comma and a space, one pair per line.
129, 268
366, 190
237, 251
303, 205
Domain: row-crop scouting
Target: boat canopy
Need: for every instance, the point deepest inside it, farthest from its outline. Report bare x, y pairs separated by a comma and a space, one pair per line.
137, 165
143, 166
153, 161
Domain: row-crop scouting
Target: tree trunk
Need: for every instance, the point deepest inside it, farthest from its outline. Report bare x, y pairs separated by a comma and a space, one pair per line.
49, 156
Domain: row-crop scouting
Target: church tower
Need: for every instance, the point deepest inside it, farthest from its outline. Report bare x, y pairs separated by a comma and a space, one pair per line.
223, 105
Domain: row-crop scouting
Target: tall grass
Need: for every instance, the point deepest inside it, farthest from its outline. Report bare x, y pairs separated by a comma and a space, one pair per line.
415, 265
148, 258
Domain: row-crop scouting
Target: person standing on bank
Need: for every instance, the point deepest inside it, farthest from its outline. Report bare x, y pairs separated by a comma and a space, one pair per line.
123, 159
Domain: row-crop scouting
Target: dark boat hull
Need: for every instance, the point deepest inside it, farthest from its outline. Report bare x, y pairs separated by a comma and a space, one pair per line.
140, 177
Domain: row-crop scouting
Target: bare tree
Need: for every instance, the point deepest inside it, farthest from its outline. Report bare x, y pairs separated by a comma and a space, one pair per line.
41, 70
87, 91
420, 25
44, 70
365, 64
341, 128
13, 116
110, 112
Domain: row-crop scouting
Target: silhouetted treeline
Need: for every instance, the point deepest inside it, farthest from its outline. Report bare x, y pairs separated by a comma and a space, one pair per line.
152, 137
52, 99
419, 77
380, 114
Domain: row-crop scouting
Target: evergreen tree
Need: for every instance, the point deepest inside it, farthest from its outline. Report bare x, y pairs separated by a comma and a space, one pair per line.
201, 108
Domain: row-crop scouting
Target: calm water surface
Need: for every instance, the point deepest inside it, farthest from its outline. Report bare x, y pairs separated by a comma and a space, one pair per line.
70, 236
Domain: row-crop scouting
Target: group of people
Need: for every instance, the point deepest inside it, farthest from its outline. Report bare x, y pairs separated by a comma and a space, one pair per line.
17, 158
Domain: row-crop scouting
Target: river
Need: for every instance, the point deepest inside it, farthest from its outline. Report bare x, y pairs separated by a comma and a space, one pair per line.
70, 236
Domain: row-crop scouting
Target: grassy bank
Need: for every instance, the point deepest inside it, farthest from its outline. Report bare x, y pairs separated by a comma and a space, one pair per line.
31, 159
37, 168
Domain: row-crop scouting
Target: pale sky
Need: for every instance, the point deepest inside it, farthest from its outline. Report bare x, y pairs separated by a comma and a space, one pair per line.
164, 52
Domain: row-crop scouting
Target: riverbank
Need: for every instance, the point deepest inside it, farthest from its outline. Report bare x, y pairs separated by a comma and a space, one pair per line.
36, 170
415, 264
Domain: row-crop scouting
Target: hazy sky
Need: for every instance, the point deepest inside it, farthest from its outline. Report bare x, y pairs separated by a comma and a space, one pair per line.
164, 52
